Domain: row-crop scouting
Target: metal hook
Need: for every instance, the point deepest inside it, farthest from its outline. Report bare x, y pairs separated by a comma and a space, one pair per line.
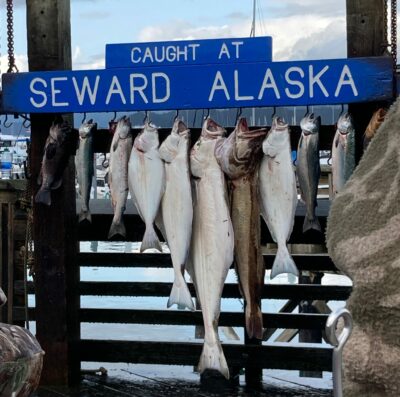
27, 121
238, 114
176, 115
207, 114
146, 117
338, 344
341, 110
115, 116
273, 113
5, 122
84, 117
307, 110
194, 118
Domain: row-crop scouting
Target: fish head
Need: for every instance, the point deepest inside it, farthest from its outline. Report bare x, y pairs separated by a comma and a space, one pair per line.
59, 130
3, 298
176, 141
123, 128
277, 137
147, 139
86, 129
345, 124
212, 130
310, 124
248, 142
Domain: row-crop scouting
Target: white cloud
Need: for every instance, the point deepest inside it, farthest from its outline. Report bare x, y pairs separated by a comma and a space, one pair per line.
20, 60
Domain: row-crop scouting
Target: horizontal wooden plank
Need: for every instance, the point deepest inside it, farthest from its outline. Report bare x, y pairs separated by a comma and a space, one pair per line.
182, 317
161, 289
312, 262
102, 217
181, 353
271, 291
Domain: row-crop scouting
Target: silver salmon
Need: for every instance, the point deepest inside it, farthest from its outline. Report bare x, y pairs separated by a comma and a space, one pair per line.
84, 165
239, 157
279, 194
211, 252
120, 151
343, 152
308, 168
177, 208
147, 182
60, 144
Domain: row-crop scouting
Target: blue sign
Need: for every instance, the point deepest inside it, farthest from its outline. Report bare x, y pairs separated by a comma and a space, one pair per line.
189, 52
200, 86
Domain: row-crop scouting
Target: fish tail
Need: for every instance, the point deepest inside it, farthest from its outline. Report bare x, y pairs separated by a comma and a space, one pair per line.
311, 224
180, 294
85, 215
212, 357
283, 262
117, 227
43, 196
254, 321
150, 239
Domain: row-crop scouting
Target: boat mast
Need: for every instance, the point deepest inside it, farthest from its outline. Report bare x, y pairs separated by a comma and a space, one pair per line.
253, 24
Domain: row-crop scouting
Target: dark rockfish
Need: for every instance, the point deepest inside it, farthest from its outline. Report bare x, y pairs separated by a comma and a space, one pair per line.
308, 168
239, 157
85, 167
343, 153
60, 144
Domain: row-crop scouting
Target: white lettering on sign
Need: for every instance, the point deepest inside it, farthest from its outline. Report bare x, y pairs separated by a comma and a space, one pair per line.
38, 92
86, 88
269, 82
317, 79
167, 94
139, 88
55, 91
160, 54
194, 47
148, 54
224, 51
133, 58
237, 96
115, 88
237, 45
346, 78
219, 84
296, 83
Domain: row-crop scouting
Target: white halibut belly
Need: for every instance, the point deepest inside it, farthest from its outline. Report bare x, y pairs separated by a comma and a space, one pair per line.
212, 244
146, 182
177, 209
278, 196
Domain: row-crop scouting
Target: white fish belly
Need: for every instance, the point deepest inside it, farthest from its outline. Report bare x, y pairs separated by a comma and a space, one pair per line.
338, 166
278, 196
177, 210
212, 245
146, 182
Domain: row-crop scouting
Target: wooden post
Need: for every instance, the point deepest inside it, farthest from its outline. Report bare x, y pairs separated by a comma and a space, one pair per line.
365, 37
55, 227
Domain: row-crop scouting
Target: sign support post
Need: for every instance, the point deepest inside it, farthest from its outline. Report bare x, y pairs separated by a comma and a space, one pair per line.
55, 228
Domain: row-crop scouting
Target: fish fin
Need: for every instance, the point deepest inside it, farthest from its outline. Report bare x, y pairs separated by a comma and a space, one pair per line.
254, 321
43, 196
212, 357
311, 224
337, 142
283, 262
56, 184
180, 295
150, 239
85, 216
300, 142
230, 333
117, 228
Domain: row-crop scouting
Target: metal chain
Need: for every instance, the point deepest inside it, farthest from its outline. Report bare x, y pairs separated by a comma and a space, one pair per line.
386, 44
12, 67
393, 27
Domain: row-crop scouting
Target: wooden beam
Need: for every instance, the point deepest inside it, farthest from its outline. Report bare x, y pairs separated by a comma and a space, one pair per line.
55, 229
365, 37
188, 353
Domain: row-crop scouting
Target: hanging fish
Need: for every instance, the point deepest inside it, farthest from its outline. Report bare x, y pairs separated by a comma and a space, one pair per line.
343, 152
146, 176
239, 157
177, 208
211, 252
84, 165
60, 144
278, 193
376, 120
120, 150
309, 169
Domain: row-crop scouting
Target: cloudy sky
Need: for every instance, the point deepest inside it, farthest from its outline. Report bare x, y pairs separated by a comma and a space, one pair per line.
301, 29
